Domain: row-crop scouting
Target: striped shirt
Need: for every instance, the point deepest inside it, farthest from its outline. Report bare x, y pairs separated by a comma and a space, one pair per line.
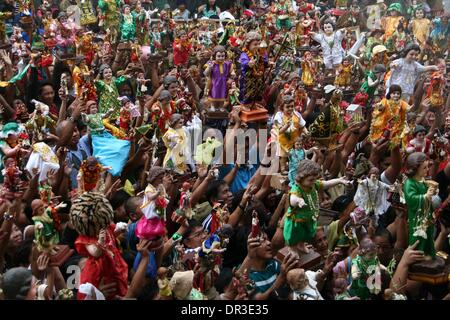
264, 279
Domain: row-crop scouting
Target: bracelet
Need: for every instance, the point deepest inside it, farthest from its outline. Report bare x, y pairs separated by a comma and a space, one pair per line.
241, 207
177, 237
265, 165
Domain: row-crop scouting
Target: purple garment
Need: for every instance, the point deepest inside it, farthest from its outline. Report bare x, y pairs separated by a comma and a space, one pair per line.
219, 89
251, 87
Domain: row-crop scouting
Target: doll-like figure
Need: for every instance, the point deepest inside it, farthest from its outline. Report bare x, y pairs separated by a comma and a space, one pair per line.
109, 17
184, 208
89, 176
340, 290
344, 75
372, 195
282, 10
217, 73
373, 79
419, 142
3, 16
389, 117
366, 271
421, 200
142, 88
301, 218
92, 217
420, 26
253, 66
303, 285
331, 42
297, 154
175, 141
46, 225
209, 260
11, 179
234, 93
127, 24
163, 283
103, 142
288, 126
439, 35
40, 124
399, 39
182, 49
83, 85
309, 69
390, 23
151, 225
435, 90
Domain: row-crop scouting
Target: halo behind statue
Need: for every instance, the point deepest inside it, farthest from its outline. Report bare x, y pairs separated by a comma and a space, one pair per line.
90, 213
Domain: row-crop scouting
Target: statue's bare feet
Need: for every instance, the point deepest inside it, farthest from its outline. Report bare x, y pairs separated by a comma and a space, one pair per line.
303, 248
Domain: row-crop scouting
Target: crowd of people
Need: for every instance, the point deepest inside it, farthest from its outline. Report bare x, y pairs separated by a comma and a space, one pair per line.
261, 150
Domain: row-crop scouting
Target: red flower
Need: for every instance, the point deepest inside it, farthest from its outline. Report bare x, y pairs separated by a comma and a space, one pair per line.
161, 202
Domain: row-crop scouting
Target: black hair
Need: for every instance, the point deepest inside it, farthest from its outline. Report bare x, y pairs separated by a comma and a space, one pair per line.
341, 203
44, 83
149, 291
132, 204
393, 88
192, 225
22, 256
213, 189
119, 199
409, 47
223, 280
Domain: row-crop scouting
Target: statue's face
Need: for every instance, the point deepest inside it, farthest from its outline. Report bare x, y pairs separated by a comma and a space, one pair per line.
220, 56
395, 95
419, 14
253, 46
328, 28
299, 280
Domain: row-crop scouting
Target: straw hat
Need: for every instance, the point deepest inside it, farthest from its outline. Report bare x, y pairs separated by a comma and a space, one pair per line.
181, 284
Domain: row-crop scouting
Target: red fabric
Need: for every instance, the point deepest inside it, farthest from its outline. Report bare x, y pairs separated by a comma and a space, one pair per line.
110, 266
181, 55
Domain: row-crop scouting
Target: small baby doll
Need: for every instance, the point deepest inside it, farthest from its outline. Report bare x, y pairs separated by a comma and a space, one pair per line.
185, 209
340, 290
303, 285
90, 174
163, 283
344, 74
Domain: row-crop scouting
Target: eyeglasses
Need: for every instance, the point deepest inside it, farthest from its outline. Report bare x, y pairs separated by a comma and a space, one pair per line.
196, 234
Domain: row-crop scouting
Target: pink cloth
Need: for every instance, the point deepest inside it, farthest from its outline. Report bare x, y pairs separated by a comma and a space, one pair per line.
150, 228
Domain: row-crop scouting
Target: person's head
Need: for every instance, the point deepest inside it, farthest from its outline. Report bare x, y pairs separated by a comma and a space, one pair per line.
411, 52
325, 200
394, 9
19, 106
395, 92
181, 5
194, 235
126, 90
46, 93
133, 208
339, 285
307, 173
419, 133
383, 242
15, 237
374, 173
164, 97
105, 72
17, 284
320, 242
416, 165
219, 191
264, 250
92, 107
298, 144
296, 278
379, 69
211, 3
328, 27
346, 62
219, 53
118, 204
126, 9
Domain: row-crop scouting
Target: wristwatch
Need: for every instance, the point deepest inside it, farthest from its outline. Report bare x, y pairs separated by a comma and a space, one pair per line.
7, 216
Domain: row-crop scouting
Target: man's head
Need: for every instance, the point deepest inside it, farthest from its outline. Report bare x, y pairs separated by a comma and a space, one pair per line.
133, 208
46, 93
219, 191
321, 242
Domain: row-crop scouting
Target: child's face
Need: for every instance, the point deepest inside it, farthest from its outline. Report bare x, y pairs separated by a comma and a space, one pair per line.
393, 13
220, 56
345, 63
183, 38
328, 28
308, 181
395, 95
298, 145
419, 14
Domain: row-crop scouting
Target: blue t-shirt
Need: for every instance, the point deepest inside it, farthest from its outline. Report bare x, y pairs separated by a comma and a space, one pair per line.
243, 176
265, 279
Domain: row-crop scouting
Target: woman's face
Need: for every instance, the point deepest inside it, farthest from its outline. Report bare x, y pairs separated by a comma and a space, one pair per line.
107, 74
15, 239
126, 10
47, 95
326, 202
412, 55
328, 28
